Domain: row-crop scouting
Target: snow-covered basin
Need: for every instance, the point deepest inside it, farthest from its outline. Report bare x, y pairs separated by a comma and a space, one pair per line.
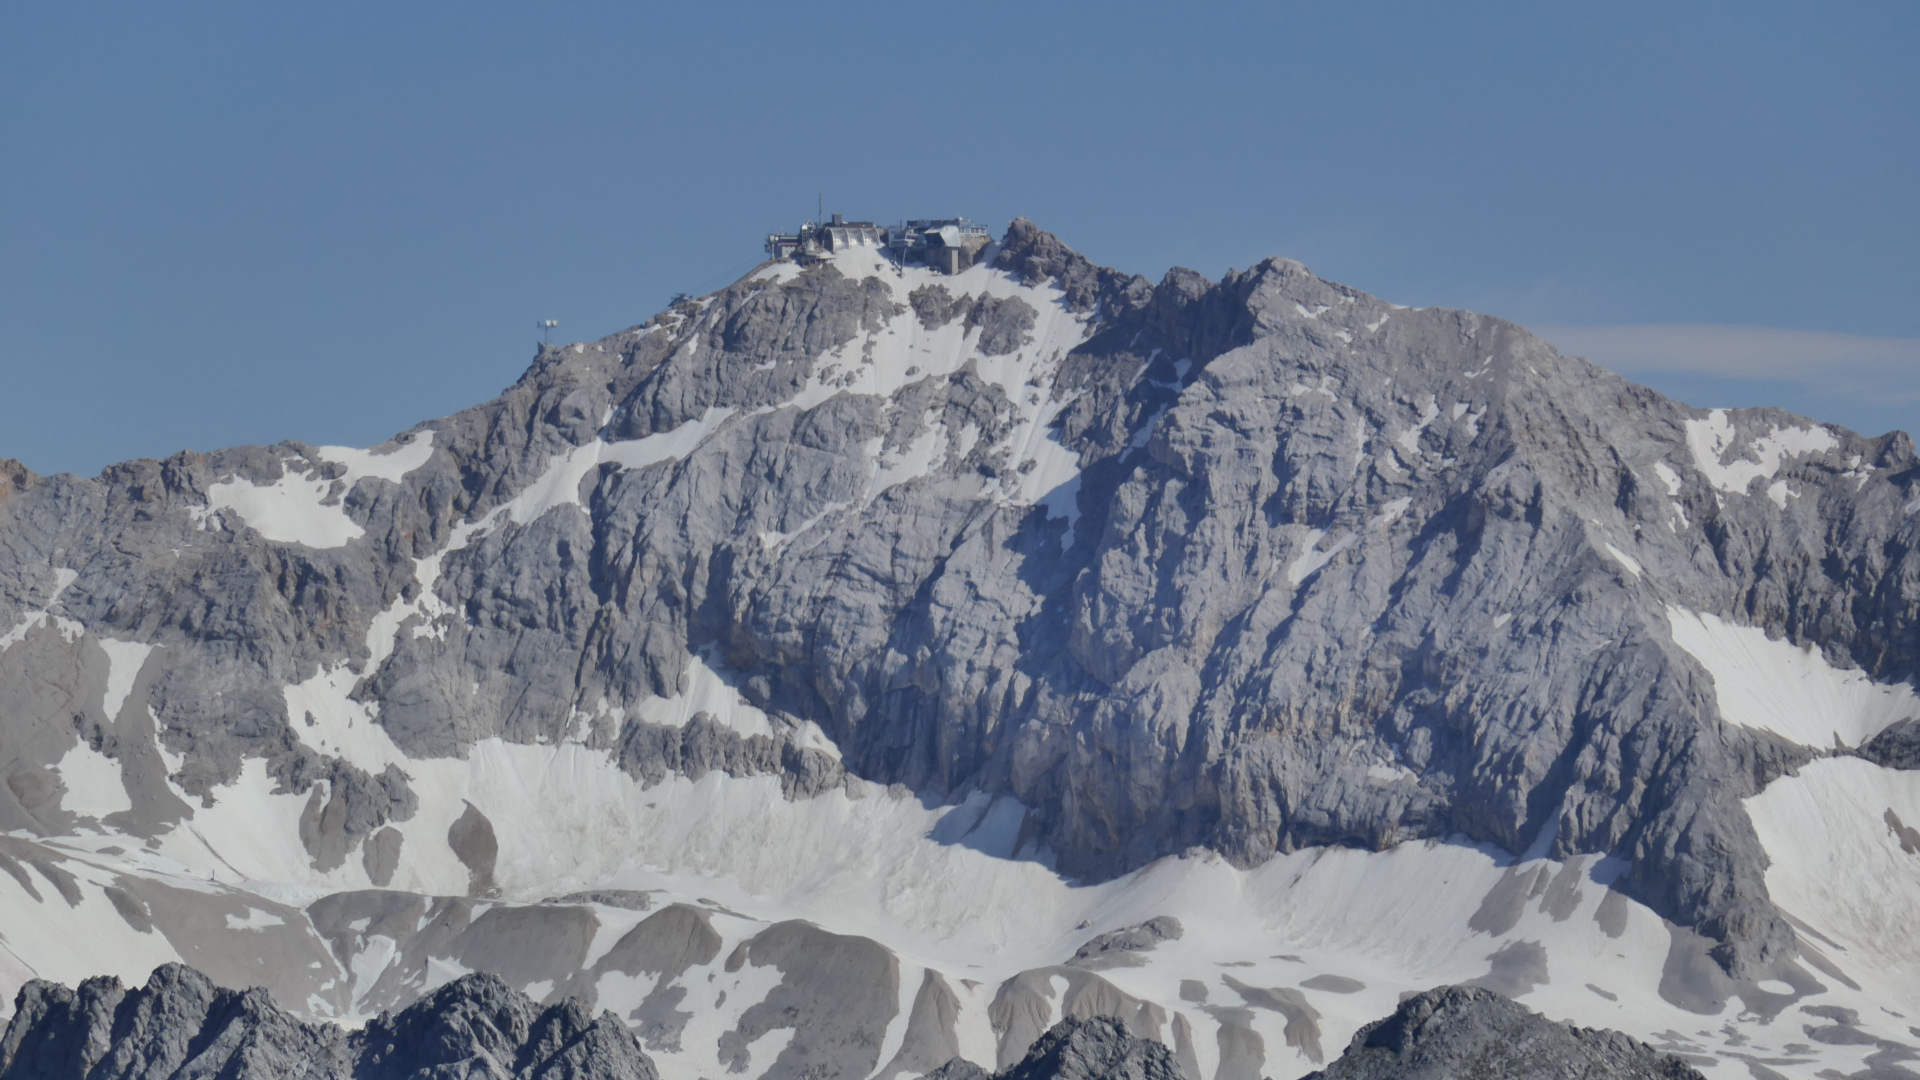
946, 886
942, 887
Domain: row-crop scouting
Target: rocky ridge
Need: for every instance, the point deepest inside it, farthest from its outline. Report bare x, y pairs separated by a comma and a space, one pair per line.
182, 1025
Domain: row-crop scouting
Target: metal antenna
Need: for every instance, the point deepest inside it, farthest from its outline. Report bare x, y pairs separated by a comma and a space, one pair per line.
546, 331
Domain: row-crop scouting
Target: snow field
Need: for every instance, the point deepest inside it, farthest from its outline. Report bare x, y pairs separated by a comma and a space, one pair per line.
1792, 692
1710, 439
294, 510
941, 887
1843, 838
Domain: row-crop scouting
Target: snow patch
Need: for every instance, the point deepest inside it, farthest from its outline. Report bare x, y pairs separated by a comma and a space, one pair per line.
392, 466
709, 690
1387, 774
124, 661
1471, 423
1409, 439
325, 717
1792, 692
256, 920
295, 508
1312, 558
915, 461
1145, 435
1391, 511
1711, 440
1632, 564
663, 445
291, 510
33, 620
93, 781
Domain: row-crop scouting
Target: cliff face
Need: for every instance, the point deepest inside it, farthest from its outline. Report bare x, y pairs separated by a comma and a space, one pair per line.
1256, 566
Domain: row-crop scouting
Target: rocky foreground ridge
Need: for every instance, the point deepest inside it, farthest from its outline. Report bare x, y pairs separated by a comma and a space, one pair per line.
180, 1025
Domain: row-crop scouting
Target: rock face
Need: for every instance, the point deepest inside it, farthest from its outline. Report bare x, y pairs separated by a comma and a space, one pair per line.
1102, 574
1462, 1031
1195, 576
181, 1025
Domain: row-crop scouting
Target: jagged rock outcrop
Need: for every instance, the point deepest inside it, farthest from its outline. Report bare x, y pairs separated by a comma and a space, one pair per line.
959, 1069
180, 1025
1100, 1048
1461, 1031
1252, 565
1898, 747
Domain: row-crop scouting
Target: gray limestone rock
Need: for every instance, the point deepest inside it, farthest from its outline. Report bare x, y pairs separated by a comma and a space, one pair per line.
838, 993
478, 1026
180, 1025
1898, 747
1120, 948
1460, 1031
1327, 572
1100, 1048
631, 899
1023, 1006
932, 1039
959, 1069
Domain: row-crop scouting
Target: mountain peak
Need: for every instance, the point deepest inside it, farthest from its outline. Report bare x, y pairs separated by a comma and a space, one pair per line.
863, 617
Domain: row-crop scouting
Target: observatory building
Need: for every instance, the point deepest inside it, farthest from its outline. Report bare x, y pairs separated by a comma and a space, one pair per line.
948, 245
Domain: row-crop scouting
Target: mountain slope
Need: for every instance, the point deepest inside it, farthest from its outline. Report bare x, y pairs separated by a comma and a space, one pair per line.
839, 589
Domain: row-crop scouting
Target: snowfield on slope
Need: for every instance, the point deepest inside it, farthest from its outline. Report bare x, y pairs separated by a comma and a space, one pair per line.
1793, 692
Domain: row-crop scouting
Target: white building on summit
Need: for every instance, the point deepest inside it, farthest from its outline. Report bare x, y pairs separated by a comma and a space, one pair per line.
949, 245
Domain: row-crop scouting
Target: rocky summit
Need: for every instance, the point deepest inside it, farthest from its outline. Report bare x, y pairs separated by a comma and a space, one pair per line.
863, 667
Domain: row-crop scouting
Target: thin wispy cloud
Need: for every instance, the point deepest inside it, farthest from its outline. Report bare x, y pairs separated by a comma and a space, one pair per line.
1832, 363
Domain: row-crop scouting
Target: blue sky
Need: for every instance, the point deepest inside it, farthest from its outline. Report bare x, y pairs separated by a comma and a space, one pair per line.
230, 222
